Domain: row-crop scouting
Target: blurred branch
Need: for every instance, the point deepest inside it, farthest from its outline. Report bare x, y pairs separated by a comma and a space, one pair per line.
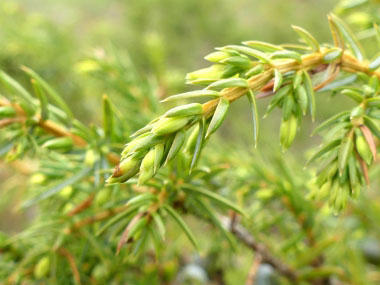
253, 270
96, 218
244, 236
64, 252
51, 128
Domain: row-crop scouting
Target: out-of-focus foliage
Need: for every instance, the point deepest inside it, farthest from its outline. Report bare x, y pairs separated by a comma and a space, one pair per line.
112, 62
364, 16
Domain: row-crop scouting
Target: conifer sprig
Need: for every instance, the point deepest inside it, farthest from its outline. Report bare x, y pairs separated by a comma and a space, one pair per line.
253, 69
161, 158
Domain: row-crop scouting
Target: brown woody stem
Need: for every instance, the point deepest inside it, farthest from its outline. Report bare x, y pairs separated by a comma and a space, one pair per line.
346, 63
51, 128
96, 218
248, 240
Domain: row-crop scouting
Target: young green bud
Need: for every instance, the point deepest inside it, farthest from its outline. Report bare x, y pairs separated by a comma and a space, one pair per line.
212, 72
132, 144
100, 273
217, 56
363, 149
126, 169
368, 91
146, 143
128, 165
288, 106
192, 140
7, 111
288, 131
158, 154
169, 125
342, 197
42, 268
66, 192
147, 167
102, 196
67, 208
239, 61
185, 110
90, 157
324, 191
302, 98
357, 112
108, 117
63, 143
334, 191
37, 178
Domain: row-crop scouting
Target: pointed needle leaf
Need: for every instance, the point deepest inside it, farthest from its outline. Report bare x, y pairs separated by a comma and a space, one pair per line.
218, 117
349, 37
108, 119
310, 93
182, 224
214, 218
255, 117
11, 83
324, 150
307, 37
213, 196
345, 150
178, 141
43, 100
198, 145
194, 94
50, 91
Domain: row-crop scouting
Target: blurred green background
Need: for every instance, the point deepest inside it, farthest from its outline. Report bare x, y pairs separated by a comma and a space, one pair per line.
158, 40
163, 38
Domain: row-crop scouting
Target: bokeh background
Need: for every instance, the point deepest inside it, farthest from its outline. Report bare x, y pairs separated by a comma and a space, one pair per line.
143, 49
158, 41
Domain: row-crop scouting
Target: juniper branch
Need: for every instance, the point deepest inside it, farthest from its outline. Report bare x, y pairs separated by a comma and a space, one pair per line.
311, 61
242, 70
50, 127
